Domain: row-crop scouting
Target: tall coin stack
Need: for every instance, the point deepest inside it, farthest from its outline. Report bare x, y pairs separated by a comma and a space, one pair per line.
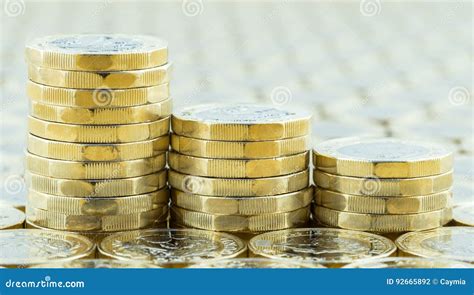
382, 185
98, 132
239, 168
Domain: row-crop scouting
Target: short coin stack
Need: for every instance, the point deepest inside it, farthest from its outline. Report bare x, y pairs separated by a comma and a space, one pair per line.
98, 132
382, 185
239, 168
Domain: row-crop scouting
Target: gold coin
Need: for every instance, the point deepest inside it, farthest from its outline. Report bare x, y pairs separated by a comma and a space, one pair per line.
382, 158
178, 247
383, 223
382, 205
99, 80
327, 246
243, 187
231, 168
94, 170
408, 262
243, 206
96, 188
464, 214
238, 150
25, 247
255, 263
241, 223
11, 218
372, 186
97, 152
240, 122
97, 133
97, 52
99, 206
442, 243
96, 98
97, 263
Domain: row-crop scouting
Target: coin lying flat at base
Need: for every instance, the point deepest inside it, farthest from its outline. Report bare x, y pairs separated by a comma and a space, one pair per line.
97, 263
382, 158
97, 52
408, 262
17, 201
174, 247
239, 122
442, 243
464, 214
326, 246
244, 187
11, 218
26, 247
255, 263
380, 223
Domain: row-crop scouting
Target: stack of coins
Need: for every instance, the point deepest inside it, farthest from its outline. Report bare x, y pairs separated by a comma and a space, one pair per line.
382, 185
239, 168
98, 132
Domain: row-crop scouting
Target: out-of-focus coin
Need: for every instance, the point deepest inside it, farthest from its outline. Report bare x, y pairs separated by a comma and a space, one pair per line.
373, 186
464, 214
408, 262
94, 170
175, 247
444, 243
97, 52
382, 205
17, 201
240, 122
381, 157
241, 223
11, 218
256, 263
244, 205
97, 263
244, 187
381, 223
97, 152
327, 246
25, 247
325, 130
463, 193
233, 168
98, 133
99, 80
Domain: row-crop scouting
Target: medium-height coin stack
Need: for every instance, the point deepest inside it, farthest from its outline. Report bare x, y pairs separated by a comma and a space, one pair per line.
98, 132
382, 185
239, 168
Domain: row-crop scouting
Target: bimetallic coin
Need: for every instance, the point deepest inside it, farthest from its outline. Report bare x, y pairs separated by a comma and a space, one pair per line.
373, 186
408, 262
99, 80
255, 263
97, 152
11, 218
97, 263
382, 158
464, 214
178, 247
327, 246
94, 170
442, 243
232, 168
97, 52
256, 187
25, 247
381, 223
98, 133
240, 122
382, 205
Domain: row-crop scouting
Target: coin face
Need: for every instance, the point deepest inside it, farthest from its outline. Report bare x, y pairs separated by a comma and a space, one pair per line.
408, 262
97, 263
255, 263
31, 246
464, 214
11, 218
321, 245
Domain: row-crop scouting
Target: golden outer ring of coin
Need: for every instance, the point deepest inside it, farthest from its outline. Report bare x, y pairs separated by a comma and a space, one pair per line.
382, 205
242, 206
98, 133
256, 263
97, 188
408, 262
372, 186
106, 223
97, 152
240, 132
99, 206
231, 168
97, 263
94, 170
238, 150
96, 98
241, 223
94, 80
383, 223
103, 116
464, 214
244, 187
11, 218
